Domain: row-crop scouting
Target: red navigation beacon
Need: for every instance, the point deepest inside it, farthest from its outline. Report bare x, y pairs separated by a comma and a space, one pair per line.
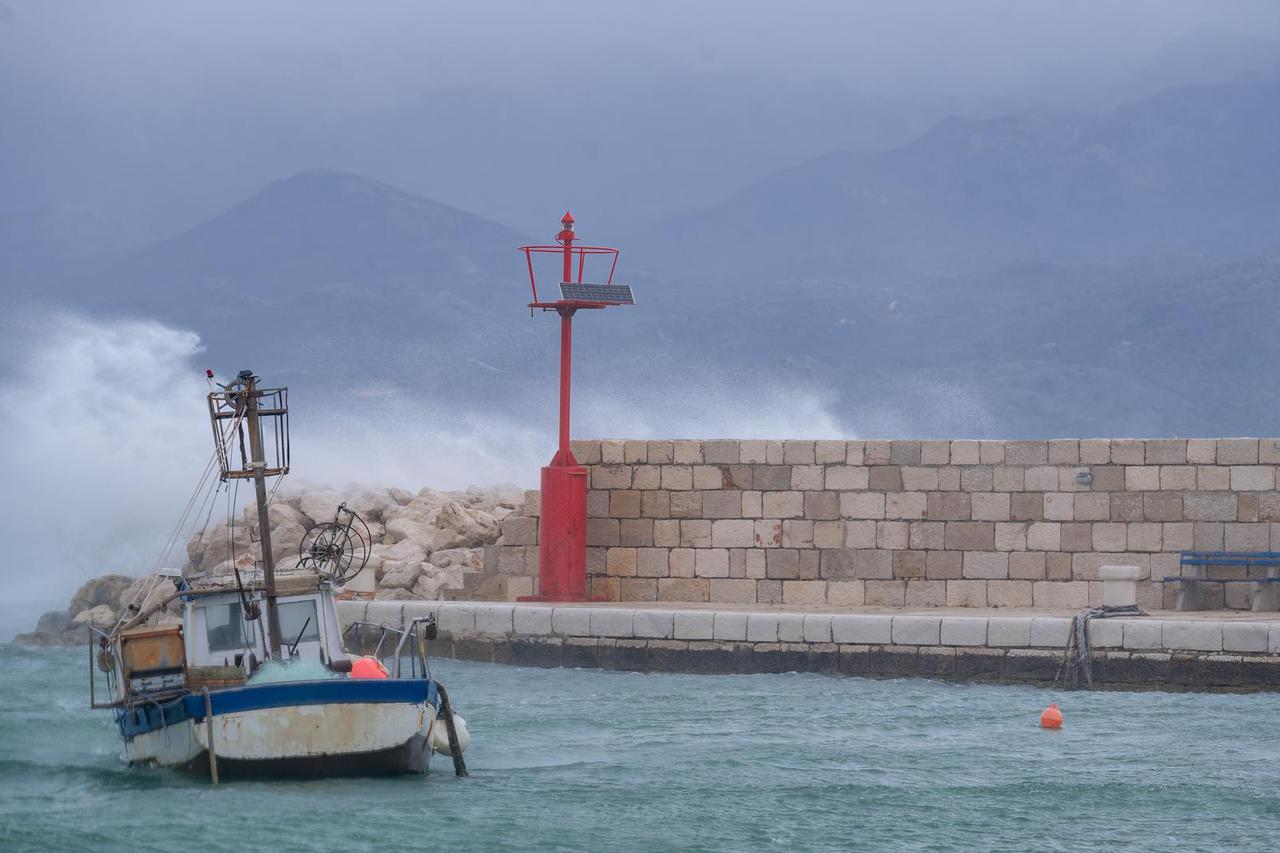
563, 527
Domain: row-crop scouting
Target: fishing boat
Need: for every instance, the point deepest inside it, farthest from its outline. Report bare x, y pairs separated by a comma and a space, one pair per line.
257, 680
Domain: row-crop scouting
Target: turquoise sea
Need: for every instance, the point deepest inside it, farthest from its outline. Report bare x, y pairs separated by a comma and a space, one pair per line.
595, 761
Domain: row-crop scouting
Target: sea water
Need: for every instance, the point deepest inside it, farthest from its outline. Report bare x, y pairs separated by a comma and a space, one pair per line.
599, 761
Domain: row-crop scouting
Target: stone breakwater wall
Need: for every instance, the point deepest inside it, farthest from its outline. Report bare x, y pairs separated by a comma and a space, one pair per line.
1201, 653
910, 523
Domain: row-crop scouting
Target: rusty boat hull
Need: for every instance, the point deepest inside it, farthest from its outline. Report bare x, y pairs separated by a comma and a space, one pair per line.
330, 727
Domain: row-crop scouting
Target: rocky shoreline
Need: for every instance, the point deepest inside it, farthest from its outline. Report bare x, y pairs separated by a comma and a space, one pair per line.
423, 545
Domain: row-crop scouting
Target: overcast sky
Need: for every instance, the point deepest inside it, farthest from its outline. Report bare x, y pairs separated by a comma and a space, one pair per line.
166, 113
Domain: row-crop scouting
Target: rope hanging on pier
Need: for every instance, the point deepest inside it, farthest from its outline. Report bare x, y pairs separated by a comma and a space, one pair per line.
1076, 668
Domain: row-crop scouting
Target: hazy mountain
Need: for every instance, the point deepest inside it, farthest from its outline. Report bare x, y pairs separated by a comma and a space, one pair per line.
1190, 173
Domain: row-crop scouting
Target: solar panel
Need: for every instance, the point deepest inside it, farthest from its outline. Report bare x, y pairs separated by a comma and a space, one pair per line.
612, 294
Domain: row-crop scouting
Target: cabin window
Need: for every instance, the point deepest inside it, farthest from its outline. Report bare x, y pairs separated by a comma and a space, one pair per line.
293, 616
225, 627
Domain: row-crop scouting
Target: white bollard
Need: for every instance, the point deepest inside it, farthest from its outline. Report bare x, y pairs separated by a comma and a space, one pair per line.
1119, 586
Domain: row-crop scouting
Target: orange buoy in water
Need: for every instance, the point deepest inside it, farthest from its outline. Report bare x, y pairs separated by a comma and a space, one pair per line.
368, 667
1051, 717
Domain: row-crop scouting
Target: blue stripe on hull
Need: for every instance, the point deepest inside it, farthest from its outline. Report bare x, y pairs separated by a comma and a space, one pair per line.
145, 718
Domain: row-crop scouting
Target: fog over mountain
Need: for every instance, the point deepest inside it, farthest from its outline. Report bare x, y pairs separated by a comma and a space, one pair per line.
991, 219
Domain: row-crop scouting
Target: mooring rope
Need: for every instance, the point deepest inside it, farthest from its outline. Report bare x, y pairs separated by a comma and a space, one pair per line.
1076, 668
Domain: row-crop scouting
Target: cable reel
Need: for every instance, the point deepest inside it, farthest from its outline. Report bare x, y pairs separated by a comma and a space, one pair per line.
338, 549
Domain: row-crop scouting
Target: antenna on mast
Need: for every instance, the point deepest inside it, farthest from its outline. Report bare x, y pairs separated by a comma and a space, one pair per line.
242, 402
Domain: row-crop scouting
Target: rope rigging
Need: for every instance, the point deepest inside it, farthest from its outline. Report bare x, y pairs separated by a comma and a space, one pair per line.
1076, 669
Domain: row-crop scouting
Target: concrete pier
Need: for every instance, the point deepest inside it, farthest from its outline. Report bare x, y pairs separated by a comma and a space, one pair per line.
1212, 651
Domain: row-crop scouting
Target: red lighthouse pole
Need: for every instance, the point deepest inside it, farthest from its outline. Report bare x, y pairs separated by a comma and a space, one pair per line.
562, 528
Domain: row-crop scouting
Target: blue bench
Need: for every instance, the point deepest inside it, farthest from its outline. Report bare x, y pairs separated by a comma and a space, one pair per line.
1266, 591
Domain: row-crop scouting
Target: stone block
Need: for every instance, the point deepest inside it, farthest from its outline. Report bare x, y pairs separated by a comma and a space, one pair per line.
612, 622
1026, 566
798, 452
935, 453
1009, 593
1244, 636
966, 593
680, 562
817, 627
861, 505
687, 452
1142, 478
762, 627
1107, 478
1142, 634
695, 533
1106, 633
1064, 451
769, 592
944, 565
1209, 506
1026, 452
1060, 595
845, 477
532, 620
990, 506
970, 536
571, 621
1273, 639
905, 453
1145, 536
820, 506
1237, 451
791, 627
886, 593
782, 564
721, 452
1026, 507
1191, 635
926, 535
752, 452
964, 453
977, 478
829, 452
783, 504
752, 504
1128, 507
1049, 632
905, 505
677, 478
1177, 478
986, 565
1211, 478
1165, 451
1060, 506
733, 590
948, 506
797, 533
1042, 478
632, 532
519, 530
1092, 506
652, 562
1009, 479
990, 452
611, 451
1162, 506
885, 478
1179, 536
655, 504
694, 625
611, 477
861, 629
1044, 536
915, 479
871, 564
910, 630
1095, 451
846, 593
653, 624
683, 589
597, 503
1253, 478
807, 477
1109, 536
804, 593
1202, 451
494, 618
624, 503
909, 564
736, 533
707, 477
892, 535
637, 589
620, 562
1008, 631
964, 631
729, 625
768, 533
926, 593
711, 563
828, 534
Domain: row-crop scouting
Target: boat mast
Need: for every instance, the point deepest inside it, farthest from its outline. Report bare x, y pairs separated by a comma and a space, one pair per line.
258, 464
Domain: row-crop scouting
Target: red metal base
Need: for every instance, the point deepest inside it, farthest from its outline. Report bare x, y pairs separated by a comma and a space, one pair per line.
562, 533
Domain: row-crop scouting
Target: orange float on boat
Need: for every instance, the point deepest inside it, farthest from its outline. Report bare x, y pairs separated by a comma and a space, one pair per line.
368, 667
